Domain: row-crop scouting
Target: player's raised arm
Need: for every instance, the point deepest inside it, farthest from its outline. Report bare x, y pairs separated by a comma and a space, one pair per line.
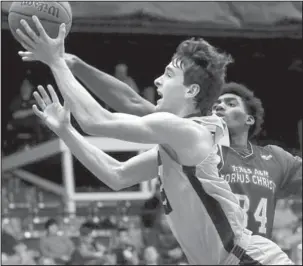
51, 51
117, 94
115, 174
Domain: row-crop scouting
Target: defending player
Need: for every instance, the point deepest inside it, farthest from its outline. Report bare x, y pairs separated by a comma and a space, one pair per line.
257, 175
192, 188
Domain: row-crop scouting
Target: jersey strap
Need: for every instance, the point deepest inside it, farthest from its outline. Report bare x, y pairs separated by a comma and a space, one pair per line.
216, 126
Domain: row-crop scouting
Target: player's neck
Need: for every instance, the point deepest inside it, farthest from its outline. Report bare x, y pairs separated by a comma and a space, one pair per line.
239, 140
189, 111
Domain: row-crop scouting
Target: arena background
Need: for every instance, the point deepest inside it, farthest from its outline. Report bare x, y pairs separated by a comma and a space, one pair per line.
265, 40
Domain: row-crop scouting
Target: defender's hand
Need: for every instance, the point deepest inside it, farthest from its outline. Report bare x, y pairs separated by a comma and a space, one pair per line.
42, 47
70, 59
54, 115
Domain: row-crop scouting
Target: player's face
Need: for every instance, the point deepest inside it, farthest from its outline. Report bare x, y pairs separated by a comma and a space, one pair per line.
232, 109
170, 89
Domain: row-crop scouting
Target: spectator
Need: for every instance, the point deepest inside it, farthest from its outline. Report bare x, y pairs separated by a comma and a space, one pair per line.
125, 251
13, 228
53, 246
149, 93
285, 223
13, 250
161, 237
24, 129
151, 256
88, 251
21, 256
135, 235
121, 73
8, 243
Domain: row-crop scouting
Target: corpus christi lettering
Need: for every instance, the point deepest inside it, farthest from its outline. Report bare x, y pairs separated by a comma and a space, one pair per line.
50, 9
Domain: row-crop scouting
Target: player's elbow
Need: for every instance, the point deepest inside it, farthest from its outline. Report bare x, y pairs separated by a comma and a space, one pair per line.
122, 178
115, 182
89, 127
85, 124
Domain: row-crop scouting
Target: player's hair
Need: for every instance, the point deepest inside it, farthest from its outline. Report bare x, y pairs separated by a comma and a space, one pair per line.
253, 105
49, 223
204, 65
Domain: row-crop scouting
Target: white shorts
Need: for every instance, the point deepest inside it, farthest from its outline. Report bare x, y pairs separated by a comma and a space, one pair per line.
257, 250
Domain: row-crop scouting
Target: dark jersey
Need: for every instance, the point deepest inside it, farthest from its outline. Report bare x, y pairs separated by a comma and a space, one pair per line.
259, 179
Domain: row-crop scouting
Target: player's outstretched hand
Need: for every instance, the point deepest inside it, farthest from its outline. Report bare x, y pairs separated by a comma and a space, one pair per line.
53, 114
42, 47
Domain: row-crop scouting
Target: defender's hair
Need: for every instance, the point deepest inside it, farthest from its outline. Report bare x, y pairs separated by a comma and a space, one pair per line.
203, 65
252, 104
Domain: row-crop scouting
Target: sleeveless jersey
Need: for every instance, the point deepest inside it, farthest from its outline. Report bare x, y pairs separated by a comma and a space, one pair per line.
203, 213
258, 180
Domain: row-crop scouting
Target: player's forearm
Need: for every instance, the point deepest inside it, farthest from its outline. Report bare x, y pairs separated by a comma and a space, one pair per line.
103, 166
83, 106
115, 93
122, 130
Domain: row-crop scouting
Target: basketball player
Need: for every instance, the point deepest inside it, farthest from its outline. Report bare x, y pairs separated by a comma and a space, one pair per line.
186, 155
258, 175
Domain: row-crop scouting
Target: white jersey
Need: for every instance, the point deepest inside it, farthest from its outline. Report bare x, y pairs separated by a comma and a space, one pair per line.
203, 213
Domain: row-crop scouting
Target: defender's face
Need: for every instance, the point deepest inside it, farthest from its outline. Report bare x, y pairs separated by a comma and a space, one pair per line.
170, 89
232, 109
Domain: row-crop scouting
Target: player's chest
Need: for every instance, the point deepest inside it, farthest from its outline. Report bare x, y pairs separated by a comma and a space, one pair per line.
251, 175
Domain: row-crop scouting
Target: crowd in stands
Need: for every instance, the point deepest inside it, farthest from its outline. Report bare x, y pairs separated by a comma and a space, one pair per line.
149, 242
144, 238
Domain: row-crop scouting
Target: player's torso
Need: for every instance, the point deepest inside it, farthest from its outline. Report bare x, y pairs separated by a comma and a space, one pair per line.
252, 179
195, 207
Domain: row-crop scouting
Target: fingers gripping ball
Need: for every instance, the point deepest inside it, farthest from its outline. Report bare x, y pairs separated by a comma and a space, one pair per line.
50, 14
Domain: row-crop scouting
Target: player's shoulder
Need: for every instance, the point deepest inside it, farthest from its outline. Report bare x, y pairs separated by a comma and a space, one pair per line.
212, 123
164, 120
211, 119
272, 151
164, 117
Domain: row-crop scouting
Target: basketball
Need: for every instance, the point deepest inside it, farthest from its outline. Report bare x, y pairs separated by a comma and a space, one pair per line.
51, 15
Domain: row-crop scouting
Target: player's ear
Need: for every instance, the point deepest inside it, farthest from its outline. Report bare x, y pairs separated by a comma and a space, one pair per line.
250, 120
192, 91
